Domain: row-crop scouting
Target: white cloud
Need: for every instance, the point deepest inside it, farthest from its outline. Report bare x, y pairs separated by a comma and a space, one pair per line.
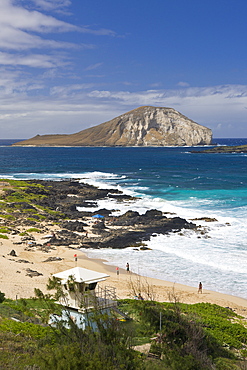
183, 84
21, 28
213, 96
99, 32
155, 85
63, 91
73, 108
52, 4
12, 84
30, 104
33, 60
13, 37
93, 66
20, 18
215, 107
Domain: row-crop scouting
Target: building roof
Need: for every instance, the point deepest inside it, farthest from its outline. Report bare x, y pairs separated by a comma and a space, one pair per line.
80, 275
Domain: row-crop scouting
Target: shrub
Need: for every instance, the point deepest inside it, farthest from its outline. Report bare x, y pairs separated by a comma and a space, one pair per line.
2, 297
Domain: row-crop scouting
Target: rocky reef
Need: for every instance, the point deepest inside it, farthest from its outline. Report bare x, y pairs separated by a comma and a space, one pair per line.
224, 149
36, 204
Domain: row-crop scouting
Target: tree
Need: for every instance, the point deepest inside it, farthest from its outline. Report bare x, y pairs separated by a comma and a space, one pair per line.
102, 344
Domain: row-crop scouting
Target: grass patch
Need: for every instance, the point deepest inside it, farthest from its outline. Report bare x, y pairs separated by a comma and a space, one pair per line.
33, 219
28, 210
2, 236
4, 230
23, 233
22, 184
139, 341
33, 230
7, 217
217, 322
41, 217
49, 211
23, 197
24, 328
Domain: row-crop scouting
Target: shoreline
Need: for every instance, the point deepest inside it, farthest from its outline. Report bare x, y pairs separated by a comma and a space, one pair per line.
15, 283
164, 290
29, 256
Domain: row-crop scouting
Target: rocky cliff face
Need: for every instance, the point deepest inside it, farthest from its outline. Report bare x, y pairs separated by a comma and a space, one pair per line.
144, 126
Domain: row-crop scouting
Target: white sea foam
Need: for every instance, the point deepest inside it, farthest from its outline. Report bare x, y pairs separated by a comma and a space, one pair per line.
218, 258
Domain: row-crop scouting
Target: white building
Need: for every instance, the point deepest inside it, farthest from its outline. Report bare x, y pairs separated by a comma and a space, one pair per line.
82, 296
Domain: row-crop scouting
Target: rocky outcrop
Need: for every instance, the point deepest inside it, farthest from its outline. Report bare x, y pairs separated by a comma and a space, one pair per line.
144, 126
224, 149
74, 228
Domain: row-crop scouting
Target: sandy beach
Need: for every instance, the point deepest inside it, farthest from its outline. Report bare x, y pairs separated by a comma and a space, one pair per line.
17, 280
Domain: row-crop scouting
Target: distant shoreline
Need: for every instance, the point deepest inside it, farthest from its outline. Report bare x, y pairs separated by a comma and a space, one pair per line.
224, 149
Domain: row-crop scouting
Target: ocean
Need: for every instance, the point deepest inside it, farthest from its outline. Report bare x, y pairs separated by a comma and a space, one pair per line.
170, 179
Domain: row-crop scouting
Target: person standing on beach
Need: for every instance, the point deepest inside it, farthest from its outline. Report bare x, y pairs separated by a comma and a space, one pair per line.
140, 297
127, 267
200, 288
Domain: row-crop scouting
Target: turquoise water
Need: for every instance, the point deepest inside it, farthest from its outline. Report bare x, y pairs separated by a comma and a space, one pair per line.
172, 180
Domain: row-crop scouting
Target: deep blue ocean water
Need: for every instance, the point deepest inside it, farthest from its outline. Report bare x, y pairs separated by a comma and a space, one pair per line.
170, 179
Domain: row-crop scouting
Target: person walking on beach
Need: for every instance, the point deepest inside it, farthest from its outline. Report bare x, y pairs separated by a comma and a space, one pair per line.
200, 288
127, 267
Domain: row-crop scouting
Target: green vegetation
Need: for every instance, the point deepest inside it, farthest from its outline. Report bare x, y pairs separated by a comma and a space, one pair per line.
4, 230
24, 197
189, 337
23, 233
224, 149
18, 197
44, 347
33, 219
22, 184
3, 236
21, 191
50, 211
30, 230
41, 217
2, 297
222, 323
26, 329
199, 336
33, 230
7, 217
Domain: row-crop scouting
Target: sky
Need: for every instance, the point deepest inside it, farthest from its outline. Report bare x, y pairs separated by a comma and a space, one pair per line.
66, 65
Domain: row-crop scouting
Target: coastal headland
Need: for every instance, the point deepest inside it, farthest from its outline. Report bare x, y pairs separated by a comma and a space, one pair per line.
42, 233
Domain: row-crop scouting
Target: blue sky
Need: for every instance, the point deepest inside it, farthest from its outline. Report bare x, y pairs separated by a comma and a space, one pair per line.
66, 65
